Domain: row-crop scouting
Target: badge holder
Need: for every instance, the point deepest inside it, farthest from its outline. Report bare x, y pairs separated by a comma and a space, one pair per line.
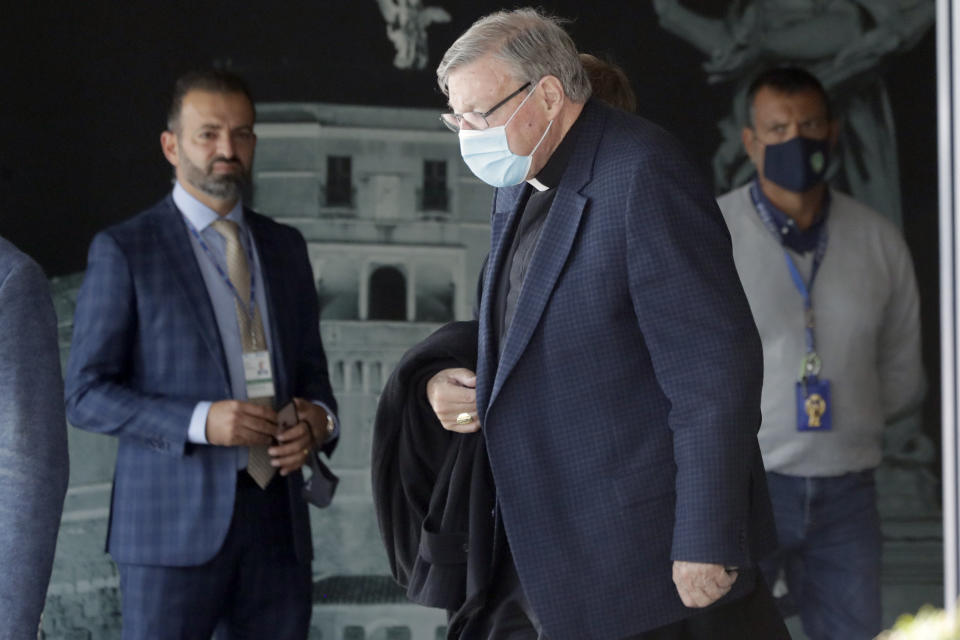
813, 394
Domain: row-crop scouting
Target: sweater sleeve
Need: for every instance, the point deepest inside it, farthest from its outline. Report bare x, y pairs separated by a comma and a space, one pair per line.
902, 380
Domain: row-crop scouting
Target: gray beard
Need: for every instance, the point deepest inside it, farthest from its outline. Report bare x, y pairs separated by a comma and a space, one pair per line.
221, 187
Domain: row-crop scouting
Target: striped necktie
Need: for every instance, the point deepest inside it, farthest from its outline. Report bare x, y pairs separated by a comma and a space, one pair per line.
251, 332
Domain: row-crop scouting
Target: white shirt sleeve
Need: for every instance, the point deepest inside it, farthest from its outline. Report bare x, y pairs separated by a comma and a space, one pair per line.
197, 433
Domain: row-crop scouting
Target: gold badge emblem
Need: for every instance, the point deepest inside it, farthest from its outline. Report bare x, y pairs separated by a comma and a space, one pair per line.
815, 407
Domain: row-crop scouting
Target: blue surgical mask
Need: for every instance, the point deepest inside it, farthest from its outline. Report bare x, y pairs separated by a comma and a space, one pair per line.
797, 164
487, 153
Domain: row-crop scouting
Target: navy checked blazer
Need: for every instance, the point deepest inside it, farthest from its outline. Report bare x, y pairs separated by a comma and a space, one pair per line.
621, 418
146, 349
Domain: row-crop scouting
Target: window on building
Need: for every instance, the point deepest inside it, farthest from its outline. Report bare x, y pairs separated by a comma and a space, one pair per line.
388, 295
435, 185
339, 181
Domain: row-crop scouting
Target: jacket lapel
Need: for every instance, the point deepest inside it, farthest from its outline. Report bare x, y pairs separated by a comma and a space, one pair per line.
506, 208
553, 247
556, 240
174, 240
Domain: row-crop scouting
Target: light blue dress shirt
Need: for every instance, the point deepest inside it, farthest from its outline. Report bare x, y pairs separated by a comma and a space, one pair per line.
201, 217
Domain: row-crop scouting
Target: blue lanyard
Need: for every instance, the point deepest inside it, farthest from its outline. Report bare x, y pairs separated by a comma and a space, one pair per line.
249, 308
804, 288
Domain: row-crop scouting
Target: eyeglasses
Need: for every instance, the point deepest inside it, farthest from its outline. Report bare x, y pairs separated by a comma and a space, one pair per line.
475, 119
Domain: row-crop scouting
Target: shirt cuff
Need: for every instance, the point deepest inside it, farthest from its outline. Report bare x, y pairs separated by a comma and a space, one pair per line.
197, 433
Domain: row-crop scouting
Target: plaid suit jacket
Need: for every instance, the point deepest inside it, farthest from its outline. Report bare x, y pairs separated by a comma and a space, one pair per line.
146, 349
621, 417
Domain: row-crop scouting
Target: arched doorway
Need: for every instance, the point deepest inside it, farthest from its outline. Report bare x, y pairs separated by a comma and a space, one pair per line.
387, 295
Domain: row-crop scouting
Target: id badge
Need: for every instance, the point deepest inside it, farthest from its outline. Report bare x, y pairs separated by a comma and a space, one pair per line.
258, 374
814, 409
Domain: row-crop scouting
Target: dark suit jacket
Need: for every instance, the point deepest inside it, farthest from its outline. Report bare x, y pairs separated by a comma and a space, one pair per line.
33, 442
146, 349
621, 418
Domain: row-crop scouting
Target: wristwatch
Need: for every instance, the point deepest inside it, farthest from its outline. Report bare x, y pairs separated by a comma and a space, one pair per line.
331, 426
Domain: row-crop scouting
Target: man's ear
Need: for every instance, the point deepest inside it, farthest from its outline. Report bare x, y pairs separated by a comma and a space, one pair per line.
553, 95
170, 147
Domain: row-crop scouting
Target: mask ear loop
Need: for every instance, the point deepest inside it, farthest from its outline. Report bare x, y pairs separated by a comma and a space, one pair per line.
520, 106
537, 146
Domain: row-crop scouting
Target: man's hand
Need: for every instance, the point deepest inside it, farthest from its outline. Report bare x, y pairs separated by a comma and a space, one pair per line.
452, 393
295, 445
701, 584
232, 423
316, 418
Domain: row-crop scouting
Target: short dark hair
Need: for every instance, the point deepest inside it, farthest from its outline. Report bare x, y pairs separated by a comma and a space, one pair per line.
787, 80
213, 80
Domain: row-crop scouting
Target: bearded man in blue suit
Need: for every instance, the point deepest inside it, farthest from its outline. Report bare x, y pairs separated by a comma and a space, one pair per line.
619, 368
197, 319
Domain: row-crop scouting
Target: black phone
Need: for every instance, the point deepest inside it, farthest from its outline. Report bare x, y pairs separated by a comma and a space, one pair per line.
287, 416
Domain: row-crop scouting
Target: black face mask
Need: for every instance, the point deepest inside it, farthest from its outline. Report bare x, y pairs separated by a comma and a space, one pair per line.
797, 164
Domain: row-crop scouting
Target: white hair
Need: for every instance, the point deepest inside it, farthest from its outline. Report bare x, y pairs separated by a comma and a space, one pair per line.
532, 44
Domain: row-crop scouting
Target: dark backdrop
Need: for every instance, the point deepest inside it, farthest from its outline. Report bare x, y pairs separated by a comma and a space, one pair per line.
84, 90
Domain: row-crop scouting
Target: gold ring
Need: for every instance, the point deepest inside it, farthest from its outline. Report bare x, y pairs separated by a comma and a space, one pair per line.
464, 418
306, 452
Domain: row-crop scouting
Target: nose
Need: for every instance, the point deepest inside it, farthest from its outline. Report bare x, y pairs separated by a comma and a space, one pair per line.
225, 146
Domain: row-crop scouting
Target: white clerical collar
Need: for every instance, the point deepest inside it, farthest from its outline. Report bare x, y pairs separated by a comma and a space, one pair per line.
536, 184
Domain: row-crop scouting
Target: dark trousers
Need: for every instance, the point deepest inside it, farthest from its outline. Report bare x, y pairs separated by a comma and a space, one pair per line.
252, 588
506, 614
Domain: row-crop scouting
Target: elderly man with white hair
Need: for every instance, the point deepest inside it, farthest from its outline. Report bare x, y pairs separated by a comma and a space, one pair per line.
617, 387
